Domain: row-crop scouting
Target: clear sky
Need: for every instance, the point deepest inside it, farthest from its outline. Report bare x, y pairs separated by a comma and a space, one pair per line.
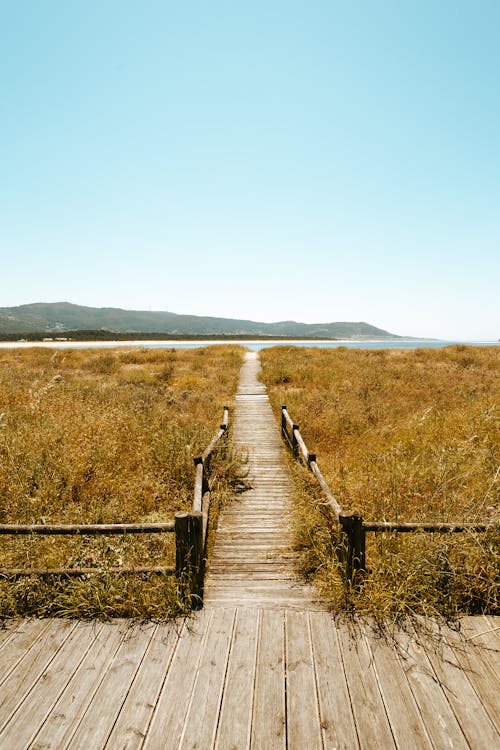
315, 161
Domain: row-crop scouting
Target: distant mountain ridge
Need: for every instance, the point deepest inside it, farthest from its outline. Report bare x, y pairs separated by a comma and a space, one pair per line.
55, 318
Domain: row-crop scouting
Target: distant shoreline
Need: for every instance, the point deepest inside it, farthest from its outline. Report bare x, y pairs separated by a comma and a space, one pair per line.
68, 344
399, 343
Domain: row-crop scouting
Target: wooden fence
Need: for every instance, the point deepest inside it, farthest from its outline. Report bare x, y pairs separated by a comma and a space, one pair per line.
190, 531
352, 552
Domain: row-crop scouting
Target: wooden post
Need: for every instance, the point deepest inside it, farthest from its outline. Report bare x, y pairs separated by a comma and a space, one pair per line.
189, 562
181, 543
354, 557
283, 421
198, 484
197, 559
295, 445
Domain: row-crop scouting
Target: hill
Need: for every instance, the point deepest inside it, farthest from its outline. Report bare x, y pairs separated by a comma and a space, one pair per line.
59, 317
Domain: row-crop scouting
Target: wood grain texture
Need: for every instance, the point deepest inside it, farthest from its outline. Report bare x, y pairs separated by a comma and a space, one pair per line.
31, 667
247, 678
103, 710
39, 701
66, 715
303, 725
235, 721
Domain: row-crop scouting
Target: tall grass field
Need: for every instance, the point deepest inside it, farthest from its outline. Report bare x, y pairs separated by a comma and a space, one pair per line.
88, 436
400, 436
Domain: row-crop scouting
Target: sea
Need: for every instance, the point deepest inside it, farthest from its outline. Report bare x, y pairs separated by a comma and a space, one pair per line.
252, 345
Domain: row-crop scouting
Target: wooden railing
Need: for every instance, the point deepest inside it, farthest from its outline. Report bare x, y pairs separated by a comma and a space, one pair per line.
352, 551
190, 534
191, 529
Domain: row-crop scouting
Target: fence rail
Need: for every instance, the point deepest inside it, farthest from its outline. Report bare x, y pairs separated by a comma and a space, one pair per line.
352, 551
190, 531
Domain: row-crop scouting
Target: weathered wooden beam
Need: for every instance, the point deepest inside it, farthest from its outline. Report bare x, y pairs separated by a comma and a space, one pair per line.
220, 434
286, 417
88, 529
324, 485
448, 528
137, 570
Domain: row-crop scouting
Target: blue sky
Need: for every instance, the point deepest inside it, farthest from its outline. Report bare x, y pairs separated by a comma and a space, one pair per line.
316, 161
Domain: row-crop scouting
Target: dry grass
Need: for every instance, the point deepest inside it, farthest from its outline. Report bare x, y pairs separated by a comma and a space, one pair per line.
98, 437
400, 436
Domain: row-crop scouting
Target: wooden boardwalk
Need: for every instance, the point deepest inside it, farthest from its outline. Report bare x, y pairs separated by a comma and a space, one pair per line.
253, 559
247, 678
262, 666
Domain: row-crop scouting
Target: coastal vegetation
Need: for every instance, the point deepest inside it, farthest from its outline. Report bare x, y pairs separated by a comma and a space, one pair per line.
400, 436
92, 436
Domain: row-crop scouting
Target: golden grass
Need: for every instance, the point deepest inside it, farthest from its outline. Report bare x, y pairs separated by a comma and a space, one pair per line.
88, 436
399, 436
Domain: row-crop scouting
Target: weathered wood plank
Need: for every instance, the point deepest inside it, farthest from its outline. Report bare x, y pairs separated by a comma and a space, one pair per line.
235, 721
96, 725
131, 726
201, 721
269, 714
482, 676
34, 709
29, 669
172, 706
372, 723
303, 726
18, 644
66, 714
335, 714
7, 629
406, 723
467, 707
435, 710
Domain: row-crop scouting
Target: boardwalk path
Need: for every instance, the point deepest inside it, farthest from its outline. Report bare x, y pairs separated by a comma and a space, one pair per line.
239, 678
260, 667
253, 559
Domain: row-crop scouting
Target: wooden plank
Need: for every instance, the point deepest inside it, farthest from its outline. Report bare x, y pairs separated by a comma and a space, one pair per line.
372, 723
467, 707
494, 630
407, 727
7, 630
201, 721
335, 714
28, 669
107, 701
66, 714
435, 710
303, 727
269, 715
32, 712
481, 674
132, 724
479, 632
171, 708
18, 644
235, 721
